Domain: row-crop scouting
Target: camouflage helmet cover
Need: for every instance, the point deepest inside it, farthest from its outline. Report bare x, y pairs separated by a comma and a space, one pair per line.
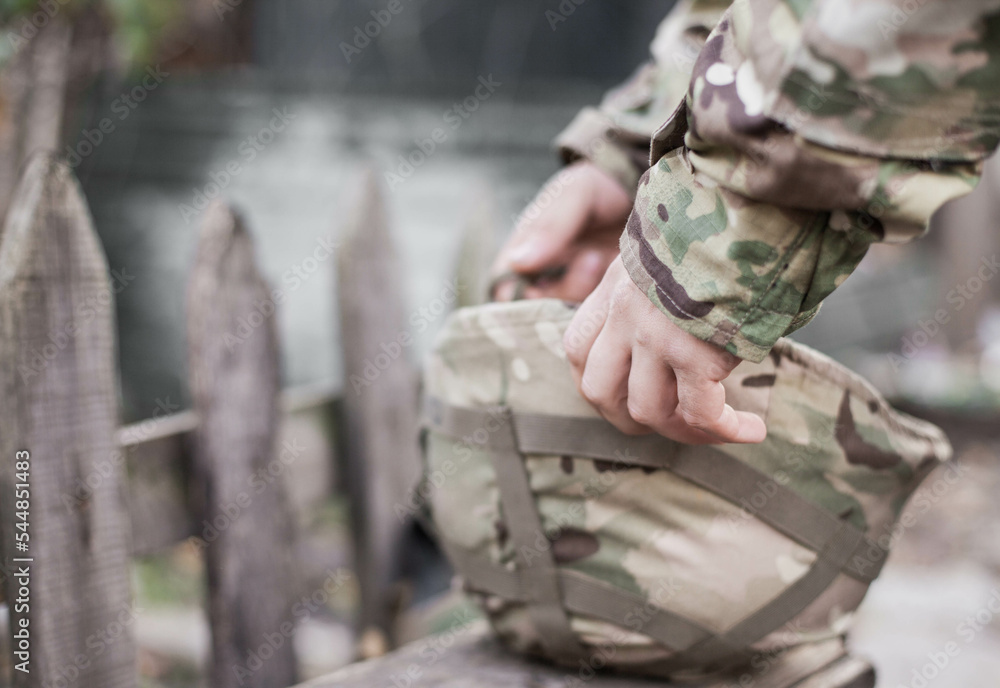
685, 560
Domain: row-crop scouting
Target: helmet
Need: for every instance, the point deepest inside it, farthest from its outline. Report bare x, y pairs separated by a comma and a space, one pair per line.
581, 542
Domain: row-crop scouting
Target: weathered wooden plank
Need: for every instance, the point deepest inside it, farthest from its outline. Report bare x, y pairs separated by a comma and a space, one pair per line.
33, 90
157, 454
233, 369
471, 658
380, 401
58, 401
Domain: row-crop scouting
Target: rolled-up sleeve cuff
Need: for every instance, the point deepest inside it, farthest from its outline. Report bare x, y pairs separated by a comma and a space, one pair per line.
593, 136
719, 329
733, 272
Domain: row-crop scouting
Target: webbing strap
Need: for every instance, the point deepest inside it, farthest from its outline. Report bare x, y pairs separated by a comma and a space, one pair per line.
741, 484
781, 508
594, 598
590, 438
584, 596
779, 611
536, 566
694, 644
508, 436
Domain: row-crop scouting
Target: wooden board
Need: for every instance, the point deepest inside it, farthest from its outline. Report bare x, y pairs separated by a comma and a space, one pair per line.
59, 402
381, 459
157, 454
233, 369
471, 658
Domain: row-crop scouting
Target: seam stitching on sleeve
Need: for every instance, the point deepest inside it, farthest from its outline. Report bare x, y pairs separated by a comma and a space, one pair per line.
662, 294
753, 309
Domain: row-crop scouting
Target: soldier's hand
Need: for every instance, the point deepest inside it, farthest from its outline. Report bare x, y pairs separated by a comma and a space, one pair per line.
644, 374
566, 237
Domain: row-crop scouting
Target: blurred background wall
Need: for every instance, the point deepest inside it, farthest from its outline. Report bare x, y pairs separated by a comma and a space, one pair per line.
232, 64
434, 44
358, 93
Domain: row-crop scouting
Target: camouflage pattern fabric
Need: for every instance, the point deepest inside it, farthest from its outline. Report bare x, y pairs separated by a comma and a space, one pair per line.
912, 79
832, 440
616, 135
810, 129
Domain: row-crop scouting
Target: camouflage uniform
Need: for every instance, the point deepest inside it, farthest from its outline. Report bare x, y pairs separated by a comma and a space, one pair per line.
593, 548
787, 137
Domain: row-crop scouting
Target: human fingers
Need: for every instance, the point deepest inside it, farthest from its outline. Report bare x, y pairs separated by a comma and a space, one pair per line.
581, 277
548, 227
701, 402
605, 380
583, 330
652, 398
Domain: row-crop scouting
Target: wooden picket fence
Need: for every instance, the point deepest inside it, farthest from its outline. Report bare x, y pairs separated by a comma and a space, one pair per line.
101, 494
148, 486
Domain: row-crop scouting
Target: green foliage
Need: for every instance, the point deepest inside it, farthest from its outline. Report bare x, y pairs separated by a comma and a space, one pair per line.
13, 10
9, 9
138, 24
173, 578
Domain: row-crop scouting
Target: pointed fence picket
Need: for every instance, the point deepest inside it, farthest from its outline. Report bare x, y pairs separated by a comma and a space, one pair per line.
58, 416
101, 494
380, 410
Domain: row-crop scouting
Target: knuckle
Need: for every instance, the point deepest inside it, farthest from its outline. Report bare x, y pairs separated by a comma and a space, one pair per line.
644, 338
695, 419
573, 347
710, 370
622, 295
642, 412
593, 394
688, 356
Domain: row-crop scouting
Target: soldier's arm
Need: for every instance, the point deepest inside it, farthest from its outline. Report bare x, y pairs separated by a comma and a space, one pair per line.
811, 130
615, 135
573, 229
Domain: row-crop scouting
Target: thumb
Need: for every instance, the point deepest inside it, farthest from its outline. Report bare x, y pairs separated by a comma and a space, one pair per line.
548, 239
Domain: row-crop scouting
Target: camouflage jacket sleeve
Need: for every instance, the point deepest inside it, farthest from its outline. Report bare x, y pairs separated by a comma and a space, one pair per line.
616, 135
811, 129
